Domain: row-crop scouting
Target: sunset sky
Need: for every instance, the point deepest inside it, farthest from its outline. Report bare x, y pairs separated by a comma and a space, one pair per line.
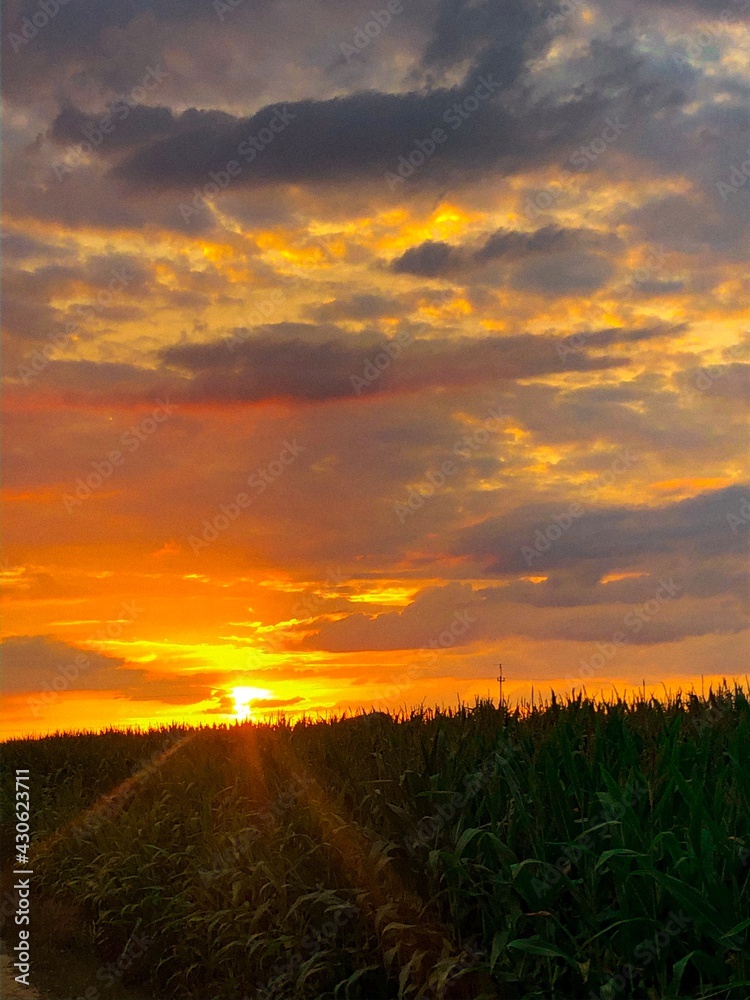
353, 349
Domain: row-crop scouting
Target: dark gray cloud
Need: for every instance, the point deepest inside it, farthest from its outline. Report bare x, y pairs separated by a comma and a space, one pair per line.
312, 363
122, 126
457, 616
510, 244
43, 665
618, 335
550, 260
736, 8
359, 308
691, 224
360, 136
492, 36
723, 381
569, 588
271, 365
34, 662
368, 136
431, 259
431, 611
81, 22
607, 538
22, 248
364, 136
564, 273
649, 288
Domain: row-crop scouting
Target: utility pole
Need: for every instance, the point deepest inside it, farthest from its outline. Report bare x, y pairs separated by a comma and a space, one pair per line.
500, 680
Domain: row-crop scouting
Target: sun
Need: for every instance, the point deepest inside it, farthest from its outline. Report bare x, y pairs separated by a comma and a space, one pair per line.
243, 698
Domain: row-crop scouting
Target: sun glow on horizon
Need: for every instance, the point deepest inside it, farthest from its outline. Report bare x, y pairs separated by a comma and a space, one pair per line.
244, 697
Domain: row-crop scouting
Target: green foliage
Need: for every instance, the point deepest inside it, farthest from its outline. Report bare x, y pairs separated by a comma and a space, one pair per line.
579, 850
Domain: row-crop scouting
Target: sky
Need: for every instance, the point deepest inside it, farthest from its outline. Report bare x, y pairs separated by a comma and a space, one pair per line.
351, 350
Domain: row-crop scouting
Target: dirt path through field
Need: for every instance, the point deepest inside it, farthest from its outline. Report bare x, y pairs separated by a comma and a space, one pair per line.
61, 975
9, 988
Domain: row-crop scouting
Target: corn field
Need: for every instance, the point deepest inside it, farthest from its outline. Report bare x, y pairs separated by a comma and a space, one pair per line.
576, 850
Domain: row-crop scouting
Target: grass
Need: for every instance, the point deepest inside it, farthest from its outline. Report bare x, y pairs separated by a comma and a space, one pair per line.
578, 850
